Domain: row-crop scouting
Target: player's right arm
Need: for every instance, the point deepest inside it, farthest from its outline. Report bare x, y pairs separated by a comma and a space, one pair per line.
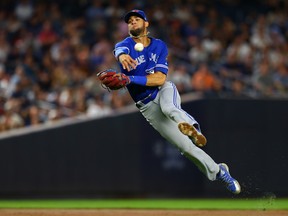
127, 61
122, 54
157, 78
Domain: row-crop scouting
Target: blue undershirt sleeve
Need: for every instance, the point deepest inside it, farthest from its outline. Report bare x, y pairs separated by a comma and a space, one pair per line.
139, 80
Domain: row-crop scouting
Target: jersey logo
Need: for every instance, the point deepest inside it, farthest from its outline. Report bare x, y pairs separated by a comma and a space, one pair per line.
153, 57
140, 59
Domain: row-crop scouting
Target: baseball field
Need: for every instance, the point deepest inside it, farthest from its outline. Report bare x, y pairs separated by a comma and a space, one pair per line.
148, 207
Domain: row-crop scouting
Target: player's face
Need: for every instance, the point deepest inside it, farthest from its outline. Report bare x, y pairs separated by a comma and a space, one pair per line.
136, 26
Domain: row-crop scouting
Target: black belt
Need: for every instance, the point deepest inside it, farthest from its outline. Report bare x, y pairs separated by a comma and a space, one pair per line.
147, 99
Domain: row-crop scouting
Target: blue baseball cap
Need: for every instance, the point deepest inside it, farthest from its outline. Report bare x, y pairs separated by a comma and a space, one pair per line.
135, 12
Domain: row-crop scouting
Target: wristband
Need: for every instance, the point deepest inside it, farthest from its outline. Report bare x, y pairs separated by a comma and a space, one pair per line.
139, 80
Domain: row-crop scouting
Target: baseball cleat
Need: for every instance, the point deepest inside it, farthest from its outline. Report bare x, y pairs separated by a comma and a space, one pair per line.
189, 130
224, 176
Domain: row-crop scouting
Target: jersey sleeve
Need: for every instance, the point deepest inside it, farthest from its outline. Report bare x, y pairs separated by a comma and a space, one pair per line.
121, 48
162, 62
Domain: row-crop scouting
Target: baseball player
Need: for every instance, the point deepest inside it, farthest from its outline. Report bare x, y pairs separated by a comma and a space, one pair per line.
144, 69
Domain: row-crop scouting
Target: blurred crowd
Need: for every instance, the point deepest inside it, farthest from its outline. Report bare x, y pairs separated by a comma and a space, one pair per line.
51, 51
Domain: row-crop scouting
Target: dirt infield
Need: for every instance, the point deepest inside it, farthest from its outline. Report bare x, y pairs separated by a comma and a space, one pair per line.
123, 212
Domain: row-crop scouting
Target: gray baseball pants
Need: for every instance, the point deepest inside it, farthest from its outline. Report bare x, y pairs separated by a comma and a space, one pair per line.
164, 113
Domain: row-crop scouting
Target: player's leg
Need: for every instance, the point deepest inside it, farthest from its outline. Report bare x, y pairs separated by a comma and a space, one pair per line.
170, 103
224, 176
169, 130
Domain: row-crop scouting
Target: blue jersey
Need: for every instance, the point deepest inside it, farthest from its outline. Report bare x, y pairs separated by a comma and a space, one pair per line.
151, 59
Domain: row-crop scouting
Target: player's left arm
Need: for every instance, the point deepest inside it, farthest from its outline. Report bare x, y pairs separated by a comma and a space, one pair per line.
159, 76
156, 79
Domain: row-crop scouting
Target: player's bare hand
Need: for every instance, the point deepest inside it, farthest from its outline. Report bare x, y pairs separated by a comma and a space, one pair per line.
127, 62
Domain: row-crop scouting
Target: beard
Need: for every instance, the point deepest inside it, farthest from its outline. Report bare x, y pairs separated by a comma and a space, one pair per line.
136, 32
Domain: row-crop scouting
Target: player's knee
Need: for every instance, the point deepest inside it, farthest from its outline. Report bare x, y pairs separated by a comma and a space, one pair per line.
169, 111
186, 147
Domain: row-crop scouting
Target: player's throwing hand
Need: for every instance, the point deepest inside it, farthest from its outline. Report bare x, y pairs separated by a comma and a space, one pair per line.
127, 62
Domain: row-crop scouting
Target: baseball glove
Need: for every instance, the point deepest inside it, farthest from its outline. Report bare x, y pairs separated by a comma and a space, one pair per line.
112, 80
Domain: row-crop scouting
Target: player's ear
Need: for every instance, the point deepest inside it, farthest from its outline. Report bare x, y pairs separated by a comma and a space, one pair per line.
146, 24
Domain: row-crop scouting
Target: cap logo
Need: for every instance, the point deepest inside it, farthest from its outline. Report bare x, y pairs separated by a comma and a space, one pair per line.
135, 12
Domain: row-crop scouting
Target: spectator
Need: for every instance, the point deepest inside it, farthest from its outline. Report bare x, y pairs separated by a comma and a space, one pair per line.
204, 80
96, 108
181, 78
50, 53
47, 36
24, 10
263, 80
281, 79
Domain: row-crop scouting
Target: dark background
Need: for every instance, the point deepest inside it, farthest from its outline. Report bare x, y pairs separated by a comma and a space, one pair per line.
122, 156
